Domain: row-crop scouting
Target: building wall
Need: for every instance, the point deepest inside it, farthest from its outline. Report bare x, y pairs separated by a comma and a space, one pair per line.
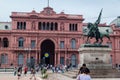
29, 31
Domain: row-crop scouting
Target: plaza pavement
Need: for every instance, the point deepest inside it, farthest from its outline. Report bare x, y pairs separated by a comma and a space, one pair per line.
10, 76
52, 76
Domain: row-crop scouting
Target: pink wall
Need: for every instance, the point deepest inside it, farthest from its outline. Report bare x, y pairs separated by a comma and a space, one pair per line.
62, 34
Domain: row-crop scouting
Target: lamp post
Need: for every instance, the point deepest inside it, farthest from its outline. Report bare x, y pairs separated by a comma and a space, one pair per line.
28, 52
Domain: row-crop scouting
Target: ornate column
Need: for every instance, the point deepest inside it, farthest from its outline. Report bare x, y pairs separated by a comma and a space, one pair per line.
58, 58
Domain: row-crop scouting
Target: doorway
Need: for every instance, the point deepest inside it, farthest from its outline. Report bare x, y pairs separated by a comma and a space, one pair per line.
47, 52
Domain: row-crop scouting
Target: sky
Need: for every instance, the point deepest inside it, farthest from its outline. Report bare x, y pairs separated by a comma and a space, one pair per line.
90, 9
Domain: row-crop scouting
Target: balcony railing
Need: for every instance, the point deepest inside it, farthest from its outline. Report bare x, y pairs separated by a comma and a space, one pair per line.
67, 49
35, 49
18, 48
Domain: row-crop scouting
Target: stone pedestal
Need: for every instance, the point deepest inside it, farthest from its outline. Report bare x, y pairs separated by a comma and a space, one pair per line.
95, 57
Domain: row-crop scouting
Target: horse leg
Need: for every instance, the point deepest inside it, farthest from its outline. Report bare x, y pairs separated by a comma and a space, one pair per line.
97, 40
87, 39
109, 38
101, 40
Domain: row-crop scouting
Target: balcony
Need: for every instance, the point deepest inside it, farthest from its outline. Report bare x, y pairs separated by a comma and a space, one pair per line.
67, 49
18, 48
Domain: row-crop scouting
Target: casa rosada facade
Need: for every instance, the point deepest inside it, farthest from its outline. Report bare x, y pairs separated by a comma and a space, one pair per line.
48, 37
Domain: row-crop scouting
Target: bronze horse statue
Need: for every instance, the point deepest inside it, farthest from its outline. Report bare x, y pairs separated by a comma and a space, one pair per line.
95, 33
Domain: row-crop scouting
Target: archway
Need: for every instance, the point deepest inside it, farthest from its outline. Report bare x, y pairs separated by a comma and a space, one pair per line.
47, 52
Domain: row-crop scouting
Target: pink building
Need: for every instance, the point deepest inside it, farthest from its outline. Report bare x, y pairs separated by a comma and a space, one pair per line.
48, 37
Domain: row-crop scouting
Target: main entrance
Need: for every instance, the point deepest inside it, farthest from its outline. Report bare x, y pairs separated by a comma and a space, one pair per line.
47, 52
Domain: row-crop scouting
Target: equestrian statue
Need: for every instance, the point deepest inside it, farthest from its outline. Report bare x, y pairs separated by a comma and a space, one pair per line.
93, 31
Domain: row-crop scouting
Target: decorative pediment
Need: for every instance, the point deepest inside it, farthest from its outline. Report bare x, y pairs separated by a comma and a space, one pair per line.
48, 11
62, 15
33, 14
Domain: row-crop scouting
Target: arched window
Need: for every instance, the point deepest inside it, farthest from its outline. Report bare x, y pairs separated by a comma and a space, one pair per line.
73, 60
20, 59
20, 42
4, 58
73, 43
5, 42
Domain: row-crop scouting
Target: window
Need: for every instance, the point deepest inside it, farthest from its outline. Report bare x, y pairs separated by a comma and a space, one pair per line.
48, 26
4, 58
21, 25
6, 27
20, 59
73, 44
56, 26
62, 44
24, 25
32, 43
20, 42
5, 42
73, 60
62, 60
72, 27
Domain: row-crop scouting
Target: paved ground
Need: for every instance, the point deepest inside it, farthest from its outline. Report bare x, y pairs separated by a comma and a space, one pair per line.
55, 76
61, 77
10, 76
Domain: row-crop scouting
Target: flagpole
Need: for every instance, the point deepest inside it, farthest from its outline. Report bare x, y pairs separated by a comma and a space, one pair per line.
48, 3
99, 17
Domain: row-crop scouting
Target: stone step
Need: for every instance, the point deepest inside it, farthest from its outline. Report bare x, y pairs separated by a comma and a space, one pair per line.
112, 73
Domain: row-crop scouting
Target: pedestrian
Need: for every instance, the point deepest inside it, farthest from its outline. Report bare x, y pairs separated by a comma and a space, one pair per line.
15, 71
19, 74
84, 66
37, 68
84, 75
53, 69
33, 74
25, 70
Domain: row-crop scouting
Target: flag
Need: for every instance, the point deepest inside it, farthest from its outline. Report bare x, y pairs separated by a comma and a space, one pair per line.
99, 17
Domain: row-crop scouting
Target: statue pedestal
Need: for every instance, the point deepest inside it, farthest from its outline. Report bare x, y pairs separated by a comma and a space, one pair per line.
95, 57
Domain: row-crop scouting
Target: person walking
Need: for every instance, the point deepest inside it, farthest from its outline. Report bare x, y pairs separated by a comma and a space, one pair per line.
15, 71
25, 70
33, 74
19, 74
84, 75
84, 66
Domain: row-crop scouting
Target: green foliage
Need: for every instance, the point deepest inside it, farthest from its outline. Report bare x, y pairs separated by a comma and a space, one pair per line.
43, 71
44, 74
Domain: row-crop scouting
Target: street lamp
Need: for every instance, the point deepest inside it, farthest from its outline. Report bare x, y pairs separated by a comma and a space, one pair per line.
28, 52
